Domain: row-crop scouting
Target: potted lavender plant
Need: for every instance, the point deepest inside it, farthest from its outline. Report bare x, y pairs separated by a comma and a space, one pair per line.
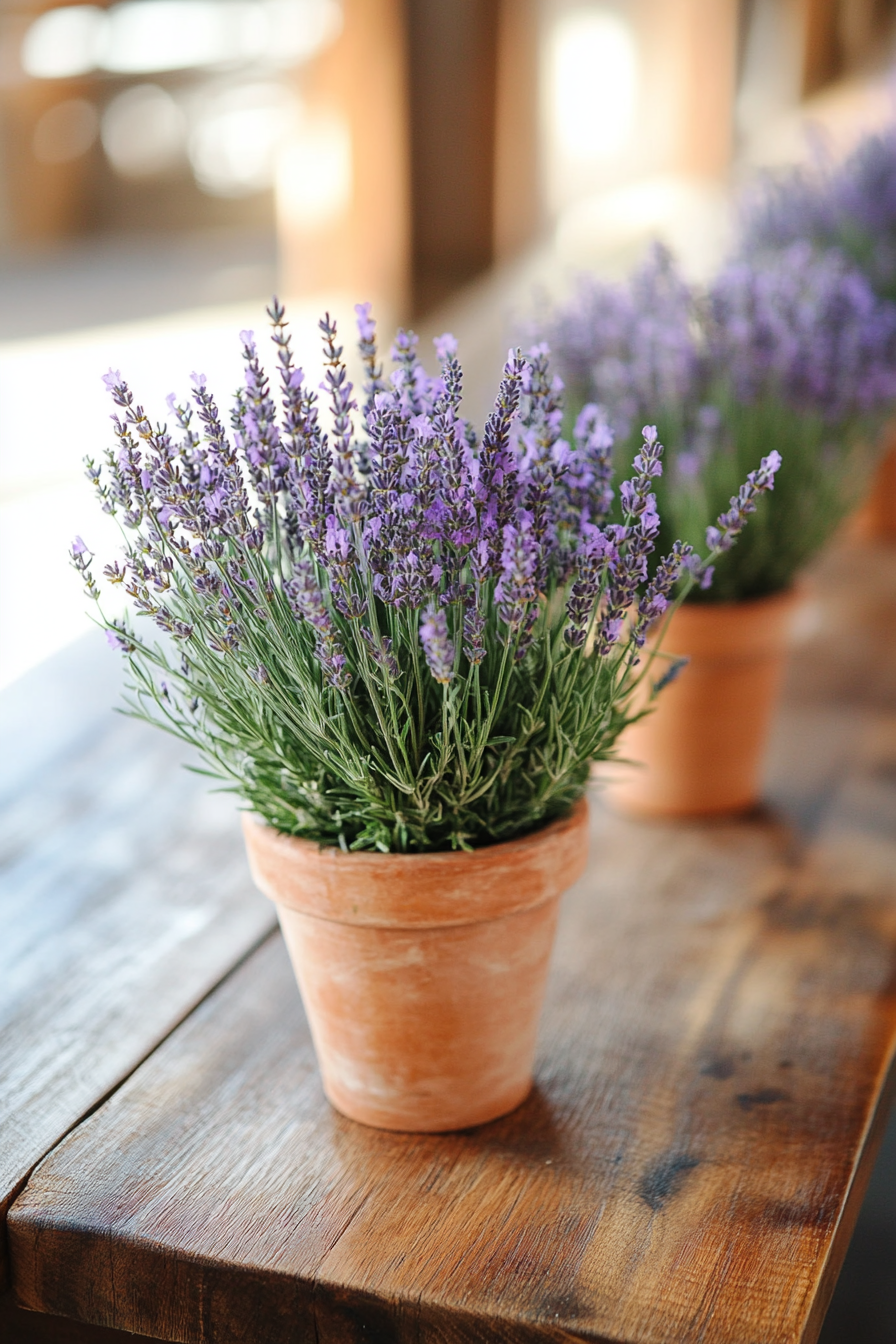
794, 357
402, 650
850, 206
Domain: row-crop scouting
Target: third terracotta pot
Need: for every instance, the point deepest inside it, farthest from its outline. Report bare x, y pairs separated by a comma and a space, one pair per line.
700, 752
422, 974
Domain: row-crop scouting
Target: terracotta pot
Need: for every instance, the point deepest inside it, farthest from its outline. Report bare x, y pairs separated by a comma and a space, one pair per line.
876, 519
701, 750
422, 974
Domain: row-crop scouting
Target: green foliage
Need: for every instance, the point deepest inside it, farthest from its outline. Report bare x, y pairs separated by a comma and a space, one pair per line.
824, 475
401, 763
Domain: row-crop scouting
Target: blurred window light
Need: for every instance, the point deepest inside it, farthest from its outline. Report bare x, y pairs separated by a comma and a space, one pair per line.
65, 131
151, 36
314, 174
236, 136
143, 131
63, 43
299, 29
147, 36
593, 85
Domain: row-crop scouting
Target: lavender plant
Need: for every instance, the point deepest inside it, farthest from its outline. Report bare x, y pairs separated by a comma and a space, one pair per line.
849, 205
793, 355
406, 638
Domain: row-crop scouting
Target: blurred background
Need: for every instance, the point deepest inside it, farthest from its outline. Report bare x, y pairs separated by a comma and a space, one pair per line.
166, 165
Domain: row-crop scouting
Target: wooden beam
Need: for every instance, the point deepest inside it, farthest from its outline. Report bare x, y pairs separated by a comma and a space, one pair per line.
343, 189
690, 72
452, 67
518, 205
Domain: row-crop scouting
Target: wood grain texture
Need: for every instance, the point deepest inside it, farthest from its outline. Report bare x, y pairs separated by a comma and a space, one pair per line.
714, 1052
124, 898
18, 1326
714, 1063
846, 651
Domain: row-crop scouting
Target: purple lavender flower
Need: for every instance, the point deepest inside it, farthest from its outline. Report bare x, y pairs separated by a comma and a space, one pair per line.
850, 205
381, 651
545, 455
800, 325
630, 347
730, 524
368, 351
307, 601
792, 350
118, 638
589, 475
474, 627
657, 595
805, 326
347, 489
498, 470
437, 647
596, 554
638, 499
452, 516
516, 592
80, 558
256, 431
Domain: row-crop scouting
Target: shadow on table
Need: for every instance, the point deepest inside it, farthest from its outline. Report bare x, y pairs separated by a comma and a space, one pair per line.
863, 1308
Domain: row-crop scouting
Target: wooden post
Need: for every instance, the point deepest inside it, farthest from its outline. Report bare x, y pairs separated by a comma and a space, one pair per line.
452, 60
342, 191
690, 68
822, 56
840, 37
518, 204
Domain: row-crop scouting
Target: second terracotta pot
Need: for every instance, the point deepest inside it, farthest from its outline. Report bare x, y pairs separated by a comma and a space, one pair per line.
422, 974
700, 752
876, 519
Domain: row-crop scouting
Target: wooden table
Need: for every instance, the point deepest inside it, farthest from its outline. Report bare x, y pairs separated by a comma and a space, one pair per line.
713, 1071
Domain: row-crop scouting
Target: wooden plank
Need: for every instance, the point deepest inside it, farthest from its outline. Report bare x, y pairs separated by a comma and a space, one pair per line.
124, 899
715, 1052
846, 654
18, 1326
714, 1062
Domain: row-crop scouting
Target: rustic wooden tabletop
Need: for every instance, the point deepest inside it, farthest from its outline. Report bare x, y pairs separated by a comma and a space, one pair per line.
124, 898
713, 1068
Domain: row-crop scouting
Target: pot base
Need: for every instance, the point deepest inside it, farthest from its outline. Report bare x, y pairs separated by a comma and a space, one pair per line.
409, 1123
625, 806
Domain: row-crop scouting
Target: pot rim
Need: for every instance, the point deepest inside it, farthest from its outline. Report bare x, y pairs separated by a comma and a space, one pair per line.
795, 591
430, 890
722, 633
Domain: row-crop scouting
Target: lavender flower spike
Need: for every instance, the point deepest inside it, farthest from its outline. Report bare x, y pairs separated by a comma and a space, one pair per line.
730, 524
515, 590
307, 602
81, 557
437, 647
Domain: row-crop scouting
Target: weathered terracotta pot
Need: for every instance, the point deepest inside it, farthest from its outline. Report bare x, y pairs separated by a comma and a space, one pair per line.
700, 751
422, 974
